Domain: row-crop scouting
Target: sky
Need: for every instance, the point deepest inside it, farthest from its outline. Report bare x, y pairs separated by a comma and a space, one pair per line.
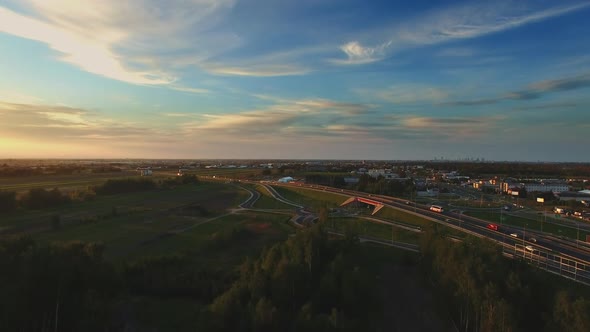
306, 79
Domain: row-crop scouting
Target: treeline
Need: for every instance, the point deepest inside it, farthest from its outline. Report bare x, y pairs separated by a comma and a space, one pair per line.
326, 180
486, 292
20, 171
39, 198
519, 170
366, 183
382, 186
70, 287
61, 287
123, 186
36, 198
307, 283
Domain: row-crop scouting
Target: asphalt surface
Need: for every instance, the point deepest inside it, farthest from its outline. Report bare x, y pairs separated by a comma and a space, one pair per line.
544, 241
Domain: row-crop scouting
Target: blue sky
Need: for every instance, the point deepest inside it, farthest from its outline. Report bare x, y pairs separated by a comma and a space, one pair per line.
321, 79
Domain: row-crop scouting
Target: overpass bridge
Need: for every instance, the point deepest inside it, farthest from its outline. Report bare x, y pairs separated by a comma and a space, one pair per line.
378, 205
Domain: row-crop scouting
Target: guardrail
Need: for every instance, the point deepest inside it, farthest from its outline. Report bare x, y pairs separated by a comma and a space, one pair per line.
572, 269
560, 264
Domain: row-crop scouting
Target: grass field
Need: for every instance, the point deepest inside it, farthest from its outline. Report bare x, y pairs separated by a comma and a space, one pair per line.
230, 173
63, 182
266, 201
402, 216
373, 229
554, 228
127, 221
311, 198
148, 232
261, 229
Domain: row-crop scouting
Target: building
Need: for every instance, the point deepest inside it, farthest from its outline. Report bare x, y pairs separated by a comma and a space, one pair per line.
556, 187
286, 179
386, 173
574, 196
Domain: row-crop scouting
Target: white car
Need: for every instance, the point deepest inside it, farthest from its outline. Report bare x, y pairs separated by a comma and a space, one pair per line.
529, 248
513, 234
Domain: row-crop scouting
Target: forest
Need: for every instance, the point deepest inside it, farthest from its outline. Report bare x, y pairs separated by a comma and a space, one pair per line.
310, 282
40, 198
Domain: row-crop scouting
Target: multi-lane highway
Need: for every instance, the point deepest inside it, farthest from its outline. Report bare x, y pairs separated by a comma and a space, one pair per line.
547, 251
541, 243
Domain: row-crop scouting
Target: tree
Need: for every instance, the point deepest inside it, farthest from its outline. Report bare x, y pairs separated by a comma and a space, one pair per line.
55, 222
324, 215
7, 201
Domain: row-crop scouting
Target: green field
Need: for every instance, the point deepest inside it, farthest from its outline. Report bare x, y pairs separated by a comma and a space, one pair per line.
230, 173
155, 228
538, 225
63, 182
314, 199
260, 228
217, 198
373, 229
402, 216
266, 201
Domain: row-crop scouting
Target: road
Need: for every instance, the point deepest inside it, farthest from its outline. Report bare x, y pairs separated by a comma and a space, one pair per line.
472, 225
547, 251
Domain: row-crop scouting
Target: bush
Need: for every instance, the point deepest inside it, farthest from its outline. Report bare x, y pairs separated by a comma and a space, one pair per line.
41, 198
7, 201
55, 222
111, 187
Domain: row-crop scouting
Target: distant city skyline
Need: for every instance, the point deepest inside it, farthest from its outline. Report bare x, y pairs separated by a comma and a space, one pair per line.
310, 79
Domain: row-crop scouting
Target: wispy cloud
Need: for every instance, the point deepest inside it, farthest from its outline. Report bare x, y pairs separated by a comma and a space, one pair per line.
551, 106
533, 91
407, 94
459, 22
124, 40
189, 89
15, 97
312, 119
539, 89
54, 123
358, 54
258, 70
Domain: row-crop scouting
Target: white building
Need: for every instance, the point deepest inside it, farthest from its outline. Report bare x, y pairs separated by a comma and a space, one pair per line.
386, 173
545, 187
286, 179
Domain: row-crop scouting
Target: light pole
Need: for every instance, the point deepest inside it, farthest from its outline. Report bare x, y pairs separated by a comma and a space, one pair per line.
578, 235
544, 218
391, 234
523, 245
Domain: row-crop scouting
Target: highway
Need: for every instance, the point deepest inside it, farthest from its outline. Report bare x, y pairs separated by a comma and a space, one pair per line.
475, 226
548, 252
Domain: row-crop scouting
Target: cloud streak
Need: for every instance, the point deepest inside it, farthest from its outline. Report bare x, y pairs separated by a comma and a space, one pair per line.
124, 40
455, 23
407, 94
533, 91
51, 123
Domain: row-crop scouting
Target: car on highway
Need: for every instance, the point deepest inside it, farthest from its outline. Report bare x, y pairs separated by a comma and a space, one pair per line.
532, 239
529, 248
493, 227
514, 234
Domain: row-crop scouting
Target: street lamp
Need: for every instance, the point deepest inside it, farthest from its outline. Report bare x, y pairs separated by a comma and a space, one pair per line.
523, 244
578, 235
